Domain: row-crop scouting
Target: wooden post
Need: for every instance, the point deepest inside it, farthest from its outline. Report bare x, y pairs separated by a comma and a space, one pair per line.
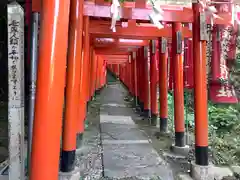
146, 93
200, 90
81, 110
73, 87
132, 76
163, 84
135, 78
178, 85
94, 67
50, 90
141, 79
153, 82
85, 70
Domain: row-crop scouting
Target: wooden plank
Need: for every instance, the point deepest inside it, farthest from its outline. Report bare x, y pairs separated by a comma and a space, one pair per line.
137, 32
115, 57
114, 50
116, 42
172, 13
111, 53
115, 60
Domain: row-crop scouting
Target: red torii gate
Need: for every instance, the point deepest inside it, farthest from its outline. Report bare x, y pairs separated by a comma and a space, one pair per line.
51, 74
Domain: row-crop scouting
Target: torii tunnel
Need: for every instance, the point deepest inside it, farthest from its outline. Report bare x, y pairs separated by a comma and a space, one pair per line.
77, 34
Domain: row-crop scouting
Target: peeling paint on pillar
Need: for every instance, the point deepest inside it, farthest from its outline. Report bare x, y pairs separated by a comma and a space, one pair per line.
16, 91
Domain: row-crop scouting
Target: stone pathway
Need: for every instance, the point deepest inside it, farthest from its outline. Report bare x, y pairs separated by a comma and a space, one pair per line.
123, 149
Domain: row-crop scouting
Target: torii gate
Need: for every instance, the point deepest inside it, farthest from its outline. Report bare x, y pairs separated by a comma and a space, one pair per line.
51, 73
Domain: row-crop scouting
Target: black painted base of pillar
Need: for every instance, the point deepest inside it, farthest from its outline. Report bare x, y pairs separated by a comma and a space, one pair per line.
67, 161
92, 98
146, 113
163, 124
153, 120
98, 91
130, 94
141, 105
134, 100
114, 76
179, 139
138, 101
88, 106
201, 154
79, 140
137, 106
125, 86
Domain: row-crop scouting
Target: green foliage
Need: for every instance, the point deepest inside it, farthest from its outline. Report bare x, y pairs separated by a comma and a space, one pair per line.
224, 133
223, 117
224, 127
237, 64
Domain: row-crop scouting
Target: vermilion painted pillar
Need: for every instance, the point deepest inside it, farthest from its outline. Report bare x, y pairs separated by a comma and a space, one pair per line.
105, 74
215, 59
141, 79
85, 80
101, 73
90, 70
147, 111
163, 84
130, 75
81, 110
170, 66
97, 75
137, 82
120, 72
47, 126
133, 76
153, 82
200, 92
73, 87
94, 65
117, 70
125, 69
188, 65
178, 85
124, 74
136, 91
